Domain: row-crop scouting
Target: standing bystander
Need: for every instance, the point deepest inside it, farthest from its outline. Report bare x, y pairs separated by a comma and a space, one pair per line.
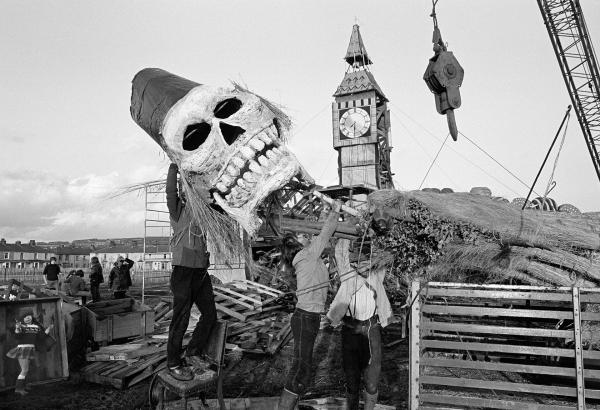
119, 279
51, 272
96, 278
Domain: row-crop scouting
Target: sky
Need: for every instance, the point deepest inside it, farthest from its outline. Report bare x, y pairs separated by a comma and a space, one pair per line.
67, 140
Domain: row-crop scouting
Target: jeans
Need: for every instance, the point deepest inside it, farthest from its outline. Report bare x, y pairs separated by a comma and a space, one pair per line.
95, 289
52, 284
190, 285
305, 326
361, 355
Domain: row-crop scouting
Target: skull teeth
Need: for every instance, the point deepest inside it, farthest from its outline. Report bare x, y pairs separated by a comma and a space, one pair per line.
255, 167
252, 163
264, 161
265, 138
233, 170
249, 177
247, 152
238, 162
257, 144
271, 154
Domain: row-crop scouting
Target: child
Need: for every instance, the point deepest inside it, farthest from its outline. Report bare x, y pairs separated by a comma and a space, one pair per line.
29, 333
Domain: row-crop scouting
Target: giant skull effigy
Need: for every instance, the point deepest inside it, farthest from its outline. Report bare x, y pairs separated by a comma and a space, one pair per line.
227, 142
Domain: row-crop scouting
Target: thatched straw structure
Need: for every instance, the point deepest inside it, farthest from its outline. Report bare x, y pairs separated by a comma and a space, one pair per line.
466, 237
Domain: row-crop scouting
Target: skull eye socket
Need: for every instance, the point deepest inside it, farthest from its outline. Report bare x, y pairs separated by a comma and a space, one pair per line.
227, 108
195, 135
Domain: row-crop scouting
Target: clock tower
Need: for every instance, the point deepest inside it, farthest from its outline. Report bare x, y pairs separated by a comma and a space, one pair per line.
361, 123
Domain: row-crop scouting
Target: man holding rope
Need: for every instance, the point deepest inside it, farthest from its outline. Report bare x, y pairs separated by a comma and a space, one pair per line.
362, 306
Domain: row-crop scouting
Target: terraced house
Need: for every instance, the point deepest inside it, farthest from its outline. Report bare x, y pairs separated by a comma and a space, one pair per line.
23, 256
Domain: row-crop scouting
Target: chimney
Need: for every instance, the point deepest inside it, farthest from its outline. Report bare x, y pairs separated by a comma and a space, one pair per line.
32, 242
2, 241
17, 242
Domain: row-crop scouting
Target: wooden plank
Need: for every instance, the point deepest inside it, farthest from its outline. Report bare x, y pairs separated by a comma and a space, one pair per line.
230, 312
414, 346
502, 367
265, 289
483, 311
237, 301
578, 348
499, 294
479, 402
489, 347
497, 385
448, 285
496, 330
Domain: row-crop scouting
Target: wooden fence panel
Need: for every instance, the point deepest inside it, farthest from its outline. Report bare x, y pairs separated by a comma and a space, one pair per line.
499, 346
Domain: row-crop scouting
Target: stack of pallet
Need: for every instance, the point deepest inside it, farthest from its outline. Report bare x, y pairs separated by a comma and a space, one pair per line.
123, 366
257, 316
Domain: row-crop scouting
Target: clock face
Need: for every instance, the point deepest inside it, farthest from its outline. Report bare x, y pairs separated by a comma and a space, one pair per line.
355, 122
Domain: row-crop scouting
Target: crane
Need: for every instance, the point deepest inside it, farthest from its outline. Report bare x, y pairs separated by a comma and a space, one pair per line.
575, 54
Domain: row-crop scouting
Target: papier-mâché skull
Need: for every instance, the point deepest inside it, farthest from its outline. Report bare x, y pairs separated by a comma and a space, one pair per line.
225, 140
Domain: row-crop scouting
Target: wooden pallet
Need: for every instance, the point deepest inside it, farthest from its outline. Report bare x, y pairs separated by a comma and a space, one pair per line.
129, 351
123, 374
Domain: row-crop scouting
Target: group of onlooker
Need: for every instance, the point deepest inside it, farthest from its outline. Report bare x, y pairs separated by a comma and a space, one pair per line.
119, 279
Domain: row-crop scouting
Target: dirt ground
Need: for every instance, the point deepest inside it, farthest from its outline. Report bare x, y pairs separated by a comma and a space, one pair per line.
250, 377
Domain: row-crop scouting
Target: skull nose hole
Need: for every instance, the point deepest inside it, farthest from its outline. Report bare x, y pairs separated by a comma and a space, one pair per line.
230, 132
227, 108
195, 135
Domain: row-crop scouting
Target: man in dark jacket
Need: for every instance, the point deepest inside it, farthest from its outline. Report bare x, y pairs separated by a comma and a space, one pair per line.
119, 279
190, 283
96, 278
51, 272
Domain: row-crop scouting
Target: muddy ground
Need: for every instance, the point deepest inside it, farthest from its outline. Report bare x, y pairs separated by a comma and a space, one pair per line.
252, 376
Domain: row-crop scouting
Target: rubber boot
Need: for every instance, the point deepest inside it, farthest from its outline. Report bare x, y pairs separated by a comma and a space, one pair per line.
20, 387
370, 400
287, 400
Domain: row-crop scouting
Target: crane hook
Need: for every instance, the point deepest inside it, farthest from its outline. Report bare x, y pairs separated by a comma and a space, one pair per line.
444, 76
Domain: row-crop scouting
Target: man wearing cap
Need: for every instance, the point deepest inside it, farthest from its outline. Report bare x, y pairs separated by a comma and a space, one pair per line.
190, 283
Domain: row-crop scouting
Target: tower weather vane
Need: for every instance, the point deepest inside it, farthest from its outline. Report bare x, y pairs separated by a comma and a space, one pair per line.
444, 76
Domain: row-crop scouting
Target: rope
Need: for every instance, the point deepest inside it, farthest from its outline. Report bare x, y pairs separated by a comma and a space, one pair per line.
433, 162
549, 187
467, 159
496, 161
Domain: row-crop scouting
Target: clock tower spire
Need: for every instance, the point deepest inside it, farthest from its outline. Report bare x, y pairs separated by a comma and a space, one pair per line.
361, 122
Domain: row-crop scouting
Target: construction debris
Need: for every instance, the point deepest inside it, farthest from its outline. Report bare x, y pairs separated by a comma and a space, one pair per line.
259, 323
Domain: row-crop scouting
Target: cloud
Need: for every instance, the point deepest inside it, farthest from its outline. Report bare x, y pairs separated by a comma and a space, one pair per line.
45, 206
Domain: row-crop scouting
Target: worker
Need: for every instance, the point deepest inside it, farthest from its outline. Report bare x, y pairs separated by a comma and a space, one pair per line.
362, 306
190, 283
312, 279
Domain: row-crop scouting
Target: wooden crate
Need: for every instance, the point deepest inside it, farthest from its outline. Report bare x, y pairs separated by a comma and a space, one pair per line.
51, 363
119, 318
504, 347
